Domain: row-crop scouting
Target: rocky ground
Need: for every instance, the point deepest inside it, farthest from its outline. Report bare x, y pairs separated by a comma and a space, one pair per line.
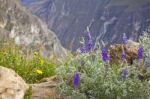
12, 86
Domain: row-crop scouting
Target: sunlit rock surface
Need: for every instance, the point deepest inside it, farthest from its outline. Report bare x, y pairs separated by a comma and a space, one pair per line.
12, 86
46, 89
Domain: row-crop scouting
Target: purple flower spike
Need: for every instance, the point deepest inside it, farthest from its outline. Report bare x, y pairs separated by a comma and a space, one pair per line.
76, 79
89, 46
125, 39
140, 52
82, 49
88, 41
148, 61
123, 56
104, 54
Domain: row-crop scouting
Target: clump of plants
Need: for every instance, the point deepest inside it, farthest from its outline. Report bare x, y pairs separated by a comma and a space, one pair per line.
90, 75
31, 66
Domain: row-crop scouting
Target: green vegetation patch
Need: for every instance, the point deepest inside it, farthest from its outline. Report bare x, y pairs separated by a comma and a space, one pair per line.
31, 66
90, 76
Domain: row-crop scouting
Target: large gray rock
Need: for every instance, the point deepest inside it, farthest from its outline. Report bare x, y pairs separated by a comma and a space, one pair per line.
12, 86
46, 89
26, 30
108, 19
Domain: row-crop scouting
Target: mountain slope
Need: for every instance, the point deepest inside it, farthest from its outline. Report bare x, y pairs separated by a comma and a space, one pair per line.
27, 30
108, 19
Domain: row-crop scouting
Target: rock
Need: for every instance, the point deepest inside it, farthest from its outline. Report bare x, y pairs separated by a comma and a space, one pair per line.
130, 49
12, 86
46, 89
132, 44
26, 30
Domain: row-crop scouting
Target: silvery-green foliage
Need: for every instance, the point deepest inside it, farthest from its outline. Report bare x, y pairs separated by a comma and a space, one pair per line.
100, 80
145, 40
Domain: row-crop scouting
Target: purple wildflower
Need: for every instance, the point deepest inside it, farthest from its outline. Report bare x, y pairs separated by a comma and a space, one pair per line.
88, 40
82, 49
148, 61
140, 52
104, 54
76, 79
123, 56
89, 45
125, 39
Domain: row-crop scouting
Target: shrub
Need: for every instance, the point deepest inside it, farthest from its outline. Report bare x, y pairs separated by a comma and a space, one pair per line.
100, 80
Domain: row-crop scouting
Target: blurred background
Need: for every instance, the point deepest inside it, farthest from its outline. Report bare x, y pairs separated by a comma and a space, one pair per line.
107, 19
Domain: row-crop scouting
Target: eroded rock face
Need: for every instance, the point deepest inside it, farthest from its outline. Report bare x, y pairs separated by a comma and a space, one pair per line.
46, 89
12, 86
27, 30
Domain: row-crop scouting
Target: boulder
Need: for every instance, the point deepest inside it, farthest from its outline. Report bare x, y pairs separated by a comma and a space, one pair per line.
12, 86
46, 89
130, 49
